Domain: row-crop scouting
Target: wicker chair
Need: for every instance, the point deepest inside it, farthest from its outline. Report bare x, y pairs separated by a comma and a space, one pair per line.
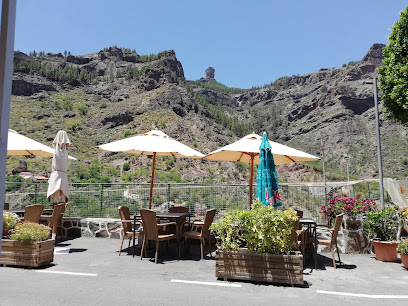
202, 232
151, 230
127, 230
33, 213
53, 220
331, 243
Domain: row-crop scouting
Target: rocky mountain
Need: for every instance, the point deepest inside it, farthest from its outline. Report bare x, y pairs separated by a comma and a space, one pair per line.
116, 93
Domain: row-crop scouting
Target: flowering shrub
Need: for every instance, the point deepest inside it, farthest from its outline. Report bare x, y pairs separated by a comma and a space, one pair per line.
9, 221
29, 231
347, 205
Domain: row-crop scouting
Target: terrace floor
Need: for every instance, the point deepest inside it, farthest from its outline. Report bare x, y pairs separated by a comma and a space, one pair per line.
97, 275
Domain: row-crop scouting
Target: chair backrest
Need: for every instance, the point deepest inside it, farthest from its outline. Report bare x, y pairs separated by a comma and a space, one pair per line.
293, 234
209, 217
299, 213
6, 206
64, 208
56, 214
125, 215
33, 213
336, 228
178, 209
149, 223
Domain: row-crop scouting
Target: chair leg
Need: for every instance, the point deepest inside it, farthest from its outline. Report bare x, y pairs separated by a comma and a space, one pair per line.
129, 244
157, 251
201, 244
209, 245
338, 254
121, 243
334, 261
143, 248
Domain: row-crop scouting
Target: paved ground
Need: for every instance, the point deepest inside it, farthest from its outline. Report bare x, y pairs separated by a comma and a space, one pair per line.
109, 279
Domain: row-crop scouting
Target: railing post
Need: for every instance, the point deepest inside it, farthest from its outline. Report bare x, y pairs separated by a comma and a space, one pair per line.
35, 193
101, 201
168, 194
368, 188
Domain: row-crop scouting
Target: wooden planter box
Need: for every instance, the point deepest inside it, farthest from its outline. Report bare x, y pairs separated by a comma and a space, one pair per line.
244, 265
27, 254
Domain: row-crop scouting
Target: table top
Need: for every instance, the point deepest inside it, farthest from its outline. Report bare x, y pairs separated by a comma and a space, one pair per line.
307, 221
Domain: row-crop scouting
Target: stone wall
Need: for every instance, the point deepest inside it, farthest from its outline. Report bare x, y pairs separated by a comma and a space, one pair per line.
351, 238
91, 227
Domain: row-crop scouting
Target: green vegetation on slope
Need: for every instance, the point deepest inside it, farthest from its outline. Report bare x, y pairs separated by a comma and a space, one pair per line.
69, 74
219, 115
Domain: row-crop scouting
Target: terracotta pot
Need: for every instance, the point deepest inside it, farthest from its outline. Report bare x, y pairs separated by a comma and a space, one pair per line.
385, 250
404, 259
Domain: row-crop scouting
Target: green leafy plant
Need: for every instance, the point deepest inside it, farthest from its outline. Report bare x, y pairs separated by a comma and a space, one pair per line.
403, 247
385, 224
9, 221
126, 167
83, 109
393, 74
29, 232
261, 229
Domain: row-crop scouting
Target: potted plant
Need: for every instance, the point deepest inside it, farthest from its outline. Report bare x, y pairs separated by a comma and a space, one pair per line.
385, 226
27, 244
257, 245
403, 251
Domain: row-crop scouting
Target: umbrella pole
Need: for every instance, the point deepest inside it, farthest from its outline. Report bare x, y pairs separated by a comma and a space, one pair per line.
251, 177
151, 182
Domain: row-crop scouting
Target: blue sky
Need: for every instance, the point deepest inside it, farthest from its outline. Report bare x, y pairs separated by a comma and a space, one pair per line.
249, 43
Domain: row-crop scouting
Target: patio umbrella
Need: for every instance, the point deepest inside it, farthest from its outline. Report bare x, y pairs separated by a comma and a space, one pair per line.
152, 143
247, 150
267, 187
18, 144
58, 182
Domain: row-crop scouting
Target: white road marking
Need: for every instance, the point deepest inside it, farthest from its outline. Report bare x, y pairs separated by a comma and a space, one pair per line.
206, 283
370, 296
67, 273
61, 251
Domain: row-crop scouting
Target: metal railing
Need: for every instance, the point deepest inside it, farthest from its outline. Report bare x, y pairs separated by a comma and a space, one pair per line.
102, 200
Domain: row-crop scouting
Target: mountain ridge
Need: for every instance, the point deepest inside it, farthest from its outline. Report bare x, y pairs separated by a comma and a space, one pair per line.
116, 93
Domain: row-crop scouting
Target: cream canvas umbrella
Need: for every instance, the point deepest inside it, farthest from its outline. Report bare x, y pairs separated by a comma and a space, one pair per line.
58, 181
152, 143
247, 150
18, 144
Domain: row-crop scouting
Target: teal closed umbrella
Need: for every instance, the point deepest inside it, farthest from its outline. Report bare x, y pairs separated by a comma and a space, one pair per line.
267, 187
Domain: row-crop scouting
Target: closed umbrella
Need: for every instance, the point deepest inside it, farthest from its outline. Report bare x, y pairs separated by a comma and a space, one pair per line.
267, 187
152, 143
247, 150
58, 181
18, 144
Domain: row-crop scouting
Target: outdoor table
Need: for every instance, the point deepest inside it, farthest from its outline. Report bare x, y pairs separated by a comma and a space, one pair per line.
311, 226
177, 217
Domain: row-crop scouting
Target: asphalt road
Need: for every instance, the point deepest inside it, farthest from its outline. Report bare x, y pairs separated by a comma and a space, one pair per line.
108, 279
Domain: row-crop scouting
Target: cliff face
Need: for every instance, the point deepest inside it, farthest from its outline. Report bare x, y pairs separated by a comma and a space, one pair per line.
104, 96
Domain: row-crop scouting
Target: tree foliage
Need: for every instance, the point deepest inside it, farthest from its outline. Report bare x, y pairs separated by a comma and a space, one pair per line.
393, 75
69, 74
